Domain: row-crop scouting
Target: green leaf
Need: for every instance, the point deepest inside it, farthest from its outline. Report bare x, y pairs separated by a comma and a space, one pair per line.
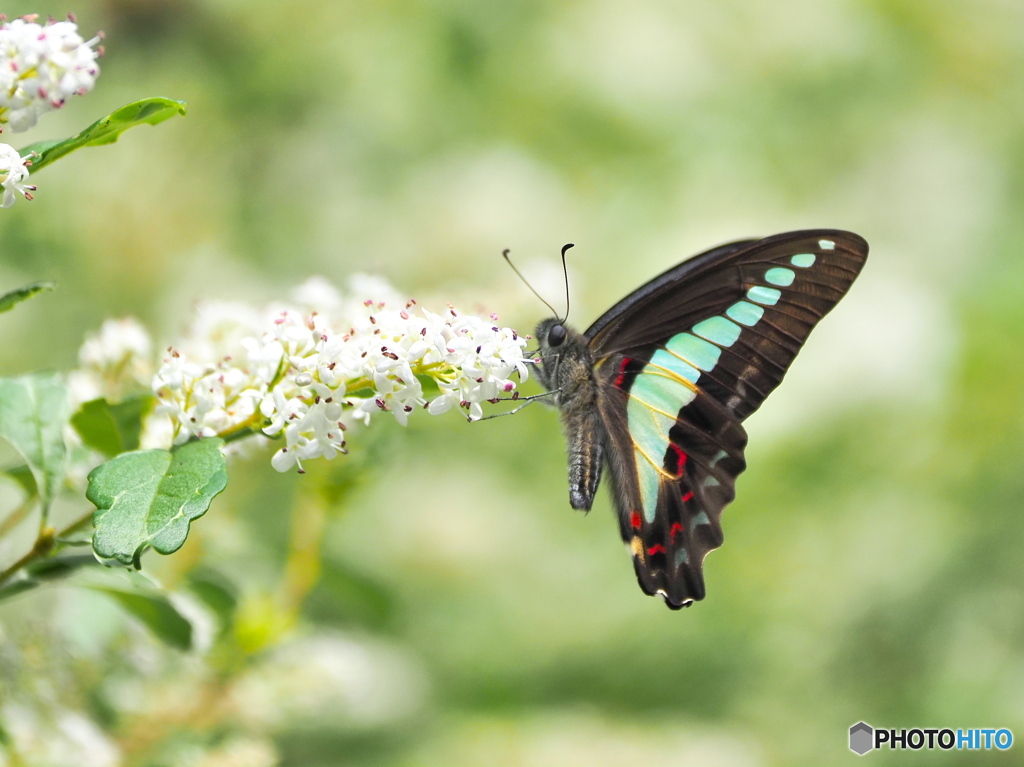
59, 566
216, 592
23, 476
345, 596
157, 612
18, 586
33, 413
112, 429
12, 298
149, 498
46, 569
105, 131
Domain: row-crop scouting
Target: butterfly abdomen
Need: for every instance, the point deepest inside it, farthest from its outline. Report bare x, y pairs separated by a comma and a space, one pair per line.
581, 422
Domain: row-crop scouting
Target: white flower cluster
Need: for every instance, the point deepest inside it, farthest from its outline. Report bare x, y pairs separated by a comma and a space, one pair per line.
41, 65
14, 170
114, 363
303, 373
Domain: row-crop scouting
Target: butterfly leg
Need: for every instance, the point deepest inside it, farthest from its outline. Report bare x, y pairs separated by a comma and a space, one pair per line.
525, 400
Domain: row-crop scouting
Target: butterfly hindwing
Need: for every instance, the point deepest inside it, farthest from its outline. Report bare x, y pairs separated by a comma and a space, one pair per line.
672, 475
680, 363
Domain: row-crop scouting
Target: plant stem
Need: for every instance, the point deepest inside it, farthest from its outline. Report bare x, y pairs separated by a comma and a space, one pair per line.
46, 541
15, 517
39, 550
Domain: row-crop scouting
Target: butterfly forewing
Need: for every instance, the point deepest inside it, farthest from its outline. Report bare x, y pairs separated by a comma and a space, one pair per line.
681, 362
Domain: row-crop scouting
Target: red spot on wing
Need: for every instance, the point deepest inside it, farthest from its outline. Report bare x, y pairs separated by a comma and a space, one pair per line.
656, 549
688, 497
634, 520
680, 458
676, 529
621, 377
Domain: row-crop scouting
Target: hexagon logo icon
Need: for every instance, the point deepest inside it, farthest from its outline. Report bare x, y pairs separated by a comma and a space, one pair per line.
862, 738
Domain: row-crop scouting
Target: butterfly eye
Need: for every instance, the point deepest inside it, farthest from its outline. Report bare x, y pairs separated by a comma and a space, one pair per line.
556, 335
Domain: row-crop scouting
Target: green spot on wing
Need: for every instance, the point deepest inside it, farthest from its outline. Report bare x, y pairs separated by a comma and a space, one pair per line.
803, 260
149, 498
649, 480
780, 276
651, 413
661, 393
763, 295
745, 313
718, 330
696, 351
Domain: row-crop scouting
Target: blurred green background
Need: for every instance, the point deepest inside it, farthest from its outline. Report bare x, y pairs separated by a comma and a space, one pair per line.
445, 606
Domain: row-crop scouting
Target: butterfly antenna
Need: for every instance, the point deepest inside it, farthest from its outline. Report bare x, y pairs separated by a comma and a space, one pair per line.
565, 273
519, 274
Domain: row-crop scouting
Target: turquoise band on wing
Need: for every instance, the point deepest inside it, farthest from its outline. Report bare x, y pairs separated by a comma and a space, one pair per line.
664, 386
693, 350
780, 276
745, 313
762, 295
718, 330
654, 401
673, 364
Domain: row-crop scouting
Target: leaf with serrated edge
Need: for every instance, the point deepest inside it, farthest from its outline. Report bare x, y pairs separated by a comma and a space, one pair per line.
33, 414
12, 298
105, 131
149, 498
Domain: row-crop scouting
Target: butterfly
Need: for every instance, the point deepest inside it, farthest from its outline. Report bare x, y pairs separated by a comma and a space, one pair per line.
657, 389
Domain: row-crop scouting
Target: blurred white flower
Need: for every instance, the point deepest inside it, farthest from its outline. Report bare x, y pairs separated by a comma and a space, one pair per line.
14, 169
41, 65
347, 681
114, 362
61, 737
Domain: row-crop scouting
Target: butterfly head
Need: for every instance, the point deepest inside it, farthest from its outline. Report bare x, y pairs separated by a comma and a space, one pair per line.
551, 333
558, 343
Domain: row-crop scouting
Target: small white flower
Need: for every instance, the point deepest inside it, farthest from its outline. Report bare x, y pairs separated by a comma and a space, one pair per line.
41, 66
373, 362
303, 375
14, 169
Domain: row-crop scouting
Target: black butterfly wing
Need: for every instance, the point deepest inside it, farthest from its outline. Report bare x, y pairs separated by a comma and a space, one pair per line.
680, 363
672, 473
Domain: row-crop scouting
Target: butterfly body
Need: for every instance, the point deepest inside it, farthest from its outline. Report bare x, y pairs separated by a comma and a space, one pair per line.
658, 387
568, 370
